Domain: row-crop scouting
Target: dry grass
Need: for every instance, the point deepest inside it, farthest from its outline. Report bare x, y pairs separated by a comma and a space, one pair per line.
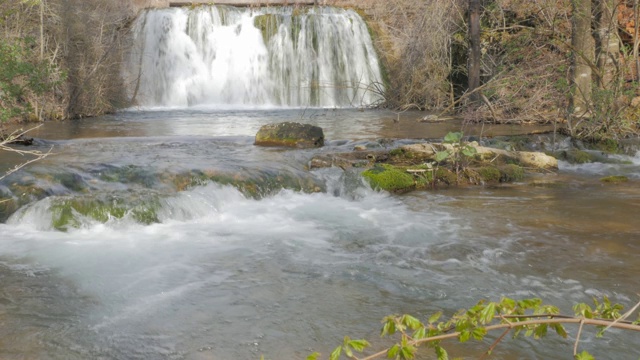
414, 42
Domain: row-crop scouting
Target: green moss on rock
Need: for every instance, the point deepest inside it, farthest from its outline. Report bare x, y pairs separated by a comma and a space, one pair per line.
575, 156
68, 213
446, 176
607, 145
489, 174
614, 179
389, 178
290, 134
511, 172
7, 207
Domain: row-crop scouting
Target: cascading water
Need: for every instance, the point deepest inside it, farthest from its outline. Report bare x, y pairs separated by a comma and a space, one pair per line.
268, 57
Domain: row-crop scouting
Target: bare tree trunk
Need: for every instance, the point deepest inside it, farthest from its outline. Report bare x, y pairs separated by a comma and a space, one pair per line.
607, 44
582, 57
41, 30
635, 39
474, 49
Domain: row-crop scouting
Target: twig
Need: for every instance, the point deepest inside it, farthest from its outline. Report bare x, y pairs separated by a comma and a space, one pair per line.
39, 156
493, 112
623, 317
575, 346
495, 343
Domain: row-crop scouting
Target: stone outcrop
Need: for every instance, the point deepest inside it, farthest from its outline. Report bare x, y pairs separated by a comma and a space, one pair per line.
422, 166
290, 134
536, 160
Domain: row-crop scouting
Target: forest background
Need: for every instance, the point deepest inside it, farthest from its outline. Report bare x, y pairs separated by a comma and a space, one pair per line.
570, 62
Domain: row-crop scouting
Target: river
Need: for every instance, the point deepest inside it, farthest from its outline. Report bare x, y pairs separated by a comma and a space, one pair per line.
291, 265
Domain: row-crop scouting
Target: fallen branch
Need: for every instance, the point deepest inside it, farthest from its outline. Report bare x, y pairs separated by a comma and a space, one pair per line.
36, 154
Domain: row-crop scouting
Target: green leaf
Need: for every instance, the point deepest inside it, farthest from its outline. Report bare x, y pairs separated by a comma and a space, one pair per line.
548, 309
435, 317
507, 306
393, 351
453, 137
347, 351
479, 333
442, 155
487, 314
584, 356
560, 330
359, 345
407, 352
583, 310
411, 322
469, 151
420, 333
335, 354
389, 327
529, 332
464, 335
313, 356
441, 353
540, 331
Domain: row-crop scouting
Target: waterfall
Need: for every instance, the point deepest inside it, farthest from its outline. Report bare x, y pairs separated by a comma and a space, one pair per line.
239, 57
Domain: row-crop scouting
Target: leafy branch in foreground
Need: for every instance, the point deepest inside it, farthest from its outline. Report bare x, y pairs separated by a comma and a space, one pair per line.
529, 317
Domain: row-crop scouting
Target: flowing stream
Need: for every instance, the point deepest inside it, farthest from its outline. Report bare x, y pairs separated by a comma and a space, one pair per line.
270, 258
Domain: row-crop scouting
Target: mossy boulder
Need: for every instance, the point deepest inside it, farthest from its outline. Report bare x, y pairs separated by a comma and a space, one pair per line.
68, 213
489, 174
511, 172
290, 134
7, 207
401, 179
576, 156
390, 178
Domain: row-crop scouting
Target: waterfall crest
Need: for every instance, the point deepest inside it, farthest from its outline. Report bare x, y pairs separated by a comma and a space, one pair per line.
267, 57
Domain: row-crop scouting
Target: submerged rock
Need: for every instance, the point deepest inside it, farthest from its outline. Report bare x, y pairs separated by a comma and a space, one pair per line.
290, 134
68, 212
615, 179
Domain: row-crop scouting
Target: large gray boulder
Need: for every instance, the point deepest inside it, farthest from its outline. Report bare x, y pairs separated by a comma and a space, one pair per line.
290, 134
